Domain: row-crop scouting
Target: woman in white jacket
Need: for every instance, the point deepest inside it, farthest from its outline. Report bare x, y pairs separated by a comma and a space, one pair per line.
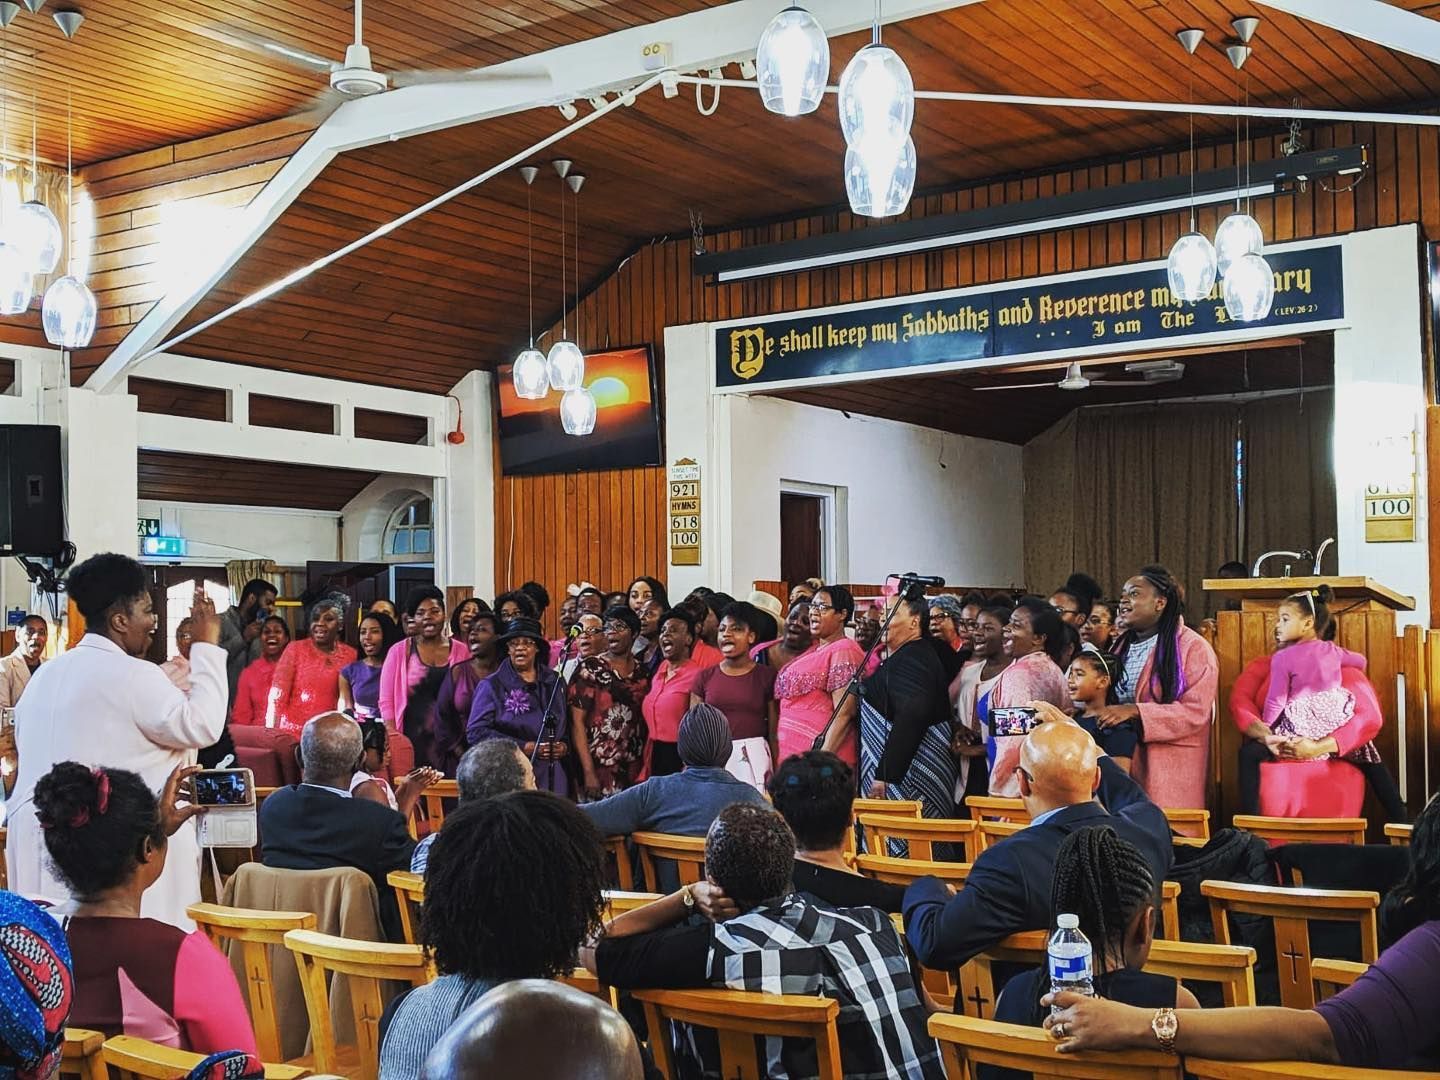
101, 704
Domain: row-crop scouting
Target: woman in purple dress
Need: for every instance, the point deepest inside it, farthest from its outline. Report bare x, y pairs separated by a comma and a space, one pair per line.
360, 681
457, 691
524, 700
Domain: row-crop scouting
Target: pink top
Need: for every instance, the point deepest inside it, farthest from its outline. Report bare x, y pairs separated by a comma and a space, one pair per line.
306, 683
252, 691
669, 699
804, 688
1306, 667
1033, 677
1172, 762
398, 678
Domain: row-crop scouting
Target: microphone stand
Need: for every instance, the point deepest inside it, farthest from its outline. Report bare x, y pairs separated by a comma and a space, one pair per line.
853, 686
546, 734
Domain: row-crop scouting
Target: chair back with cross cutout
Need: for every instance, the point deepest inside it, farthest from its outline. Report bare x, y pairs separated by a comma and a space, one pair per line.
737, 1017
366, 965
919, 834
686, 852
255, 933
1291, 911
904, 808
129, 1057
966, 1043
81, 1055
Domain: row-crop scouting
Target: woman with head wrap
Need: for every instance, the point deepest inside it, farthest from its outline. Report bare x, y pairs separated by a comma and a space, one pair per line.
307, 678
36, 990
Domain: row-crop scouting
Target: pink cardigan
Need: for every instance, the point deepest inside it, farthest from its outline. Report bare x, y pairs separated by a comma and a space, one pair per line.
395, 681
1172, 762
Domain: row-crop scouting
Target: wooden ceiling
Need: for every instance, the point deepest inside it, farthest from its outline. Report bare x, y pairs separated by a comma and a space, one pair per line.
447, 294
232, 481
954, 403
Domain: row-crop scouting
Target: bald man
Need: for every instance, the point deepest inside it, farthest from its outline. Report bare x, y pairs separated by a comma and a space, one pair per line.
316, 825
538, 1029
1067, 784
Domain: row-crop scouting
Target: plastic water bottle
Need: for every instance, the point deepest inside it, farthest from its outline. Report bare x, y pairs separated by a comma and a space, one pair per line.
1071, 966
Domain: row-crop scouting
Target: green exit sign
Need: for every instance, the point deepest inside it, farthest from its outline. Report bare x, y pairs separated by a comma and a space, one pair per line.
147, 527
173, 546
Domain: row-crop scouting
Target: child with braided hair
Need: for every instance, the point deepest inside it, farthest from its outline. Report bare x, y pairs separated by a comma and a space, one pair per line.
1105, 882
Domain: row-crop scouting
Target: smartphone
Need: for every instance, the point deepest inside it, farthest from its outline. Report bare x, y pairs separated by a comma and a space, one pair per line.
1017, 720
224, 787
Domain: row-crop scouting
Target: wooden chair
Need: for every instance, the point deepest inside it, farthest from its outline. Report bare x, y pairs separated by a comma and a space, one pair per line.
1205, 1069
992, 832
906, 808
142, 1059
621, 901
1190, 824
1290, 910
257, 932
966, 1042
907, 871
994, 808
624, 872
1399, 835
1303, 830
1332, 976
686, 852
81, 1055
435, 797
1170, 910
367, 964
737, 1017
920, 834
409, 894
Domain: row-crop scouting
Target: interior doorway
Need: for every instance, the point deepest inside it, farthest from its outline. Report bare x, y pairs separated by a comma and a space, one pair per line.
802, 537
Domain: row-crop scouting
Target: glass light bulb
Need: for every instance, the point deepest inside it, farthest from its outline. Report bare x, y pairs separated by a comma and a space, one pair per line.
566, 366
15, 280
877, 97
1191, 268
577, 411
879, 177
793, 63
1238, 235
1249, 289
530, 375
69, 313
36, 232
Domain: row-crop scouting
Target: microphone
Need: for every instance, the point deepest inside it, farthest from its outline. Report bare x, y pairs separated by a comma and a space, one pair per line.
573, 632
921, 579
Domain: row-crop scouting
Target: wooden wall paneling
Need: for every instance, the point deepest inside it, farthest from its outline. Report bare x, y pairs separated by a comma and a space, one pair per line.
1411, 664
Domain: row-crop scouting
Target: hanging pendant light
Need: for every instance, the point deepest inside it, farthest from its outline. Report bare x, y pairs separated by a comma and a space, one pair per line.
1239, 235
792, 63
69, 308
1190, 268
565, 363
877, 96
577, 412
1249, 289
880, 179
16, 284
529, 373
34, 229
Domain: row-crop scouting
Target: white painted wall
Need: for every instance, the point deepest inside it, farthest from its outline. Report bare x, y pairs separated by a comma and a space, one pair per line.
217, 534
365, 517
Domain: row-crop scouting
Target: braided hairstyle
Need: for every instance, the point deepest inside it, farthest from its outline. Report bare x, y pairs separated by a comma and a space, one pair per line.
1167, 645
1104, 881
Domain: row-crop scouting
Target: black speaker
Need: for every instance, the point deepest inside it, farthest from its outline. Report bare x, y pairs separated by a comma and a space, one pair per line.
32, 509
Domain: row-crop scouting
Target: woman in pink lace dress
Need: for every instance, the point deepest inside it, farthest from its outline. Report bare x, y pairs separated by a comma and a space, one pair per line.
809, 688
307, 678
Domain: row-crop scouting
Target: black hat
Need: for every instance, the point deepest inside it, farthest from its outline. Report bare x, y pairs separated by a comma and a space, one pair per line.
523, 627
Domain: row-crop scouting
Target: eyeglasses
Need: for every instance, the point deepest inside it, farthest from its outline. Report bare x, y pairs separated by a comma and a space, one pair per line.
821, 607
967, 624
1065, 610
592, 631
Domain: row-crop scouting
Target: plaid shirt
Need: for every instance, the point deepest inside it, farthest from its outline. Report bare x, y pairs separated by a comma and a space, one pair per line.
853, 955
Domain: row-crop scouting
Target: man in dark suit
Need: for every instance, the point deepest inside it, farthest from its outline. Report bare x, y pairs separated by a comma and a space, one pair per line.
316, 825
1062, 774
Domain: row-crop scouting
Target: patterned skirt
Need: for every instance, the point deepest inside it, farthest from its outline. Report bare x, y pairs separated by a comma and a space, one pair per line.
1320, 715
930, 778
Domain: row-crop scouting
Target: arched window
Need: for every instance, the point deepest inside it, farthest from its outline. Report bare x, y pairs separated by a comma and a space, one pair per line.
410, 531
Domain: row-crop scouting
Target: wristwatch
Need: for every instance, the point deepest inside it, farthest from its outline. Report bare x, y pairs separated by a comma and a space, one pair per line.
1165, 1027
688, 897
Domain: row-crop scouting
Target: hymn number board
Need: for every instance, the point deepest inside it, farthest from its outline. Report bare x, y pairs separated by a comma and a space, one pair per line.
685, 513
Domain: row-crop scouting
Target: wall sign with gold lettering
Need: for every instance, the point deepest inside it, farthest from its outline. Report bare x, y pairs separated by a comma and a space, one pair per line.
685, 513
1390, 487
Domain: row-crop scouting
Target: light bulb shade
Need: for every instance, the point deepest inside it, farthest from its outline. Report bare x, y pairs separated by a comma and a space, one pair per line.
1191, 268
880, 177
793, 63
877, 97
15, 280
577, 411
36, 232
1238, 235
1249, 289
69, 313
530, 375
566, 366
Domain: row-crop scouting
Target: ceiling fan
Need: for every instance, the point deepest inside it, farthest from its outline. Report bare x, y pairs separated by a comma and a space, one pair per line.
1151, 372
355, 76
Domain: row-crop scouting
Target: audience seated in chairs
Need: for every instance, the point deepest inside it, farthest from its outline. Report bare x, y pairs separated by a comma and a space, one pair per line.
36, 989
1385, 1020
369, 780
1105, 882
496, 767
513, 888
683, 803
541, 1030
108, 837
316, 825
814, 793
772, 940
1061, 773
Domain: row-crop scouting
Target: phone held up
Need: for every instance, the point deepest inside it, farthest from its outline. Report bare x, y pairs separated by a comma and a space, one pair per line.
1017, 720
229, 798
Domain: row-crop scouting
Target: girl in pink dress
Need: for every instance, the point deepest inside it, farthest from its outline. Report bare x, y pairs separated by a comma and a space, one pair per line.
1306, 699
812, 683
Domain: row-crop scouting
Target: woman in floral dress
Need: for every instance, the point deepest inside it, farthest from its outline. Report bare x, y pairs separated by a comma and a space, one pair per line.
606, 723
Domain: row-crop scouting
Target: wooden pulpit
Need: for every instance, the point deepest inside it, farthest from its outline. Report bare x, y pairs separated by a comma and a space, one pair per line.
1364, 611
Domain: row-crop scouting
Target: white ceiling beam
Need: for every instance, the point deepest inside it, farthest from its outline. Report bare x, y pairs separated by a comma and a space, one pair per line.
1372, 20
698, 41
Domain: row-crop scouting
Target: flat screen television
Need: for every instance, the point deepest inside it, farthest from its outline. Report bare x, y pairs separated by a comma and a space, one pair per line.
627, 419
